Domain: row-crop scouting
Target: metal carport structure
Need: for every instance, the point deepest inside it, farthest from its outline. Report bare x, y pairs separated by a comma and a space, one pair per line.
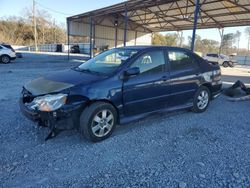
130, 20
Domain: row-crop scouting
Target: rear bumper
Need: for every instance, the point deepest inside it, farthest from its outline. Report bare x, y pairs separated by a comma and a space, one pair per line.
217, 94
216, 90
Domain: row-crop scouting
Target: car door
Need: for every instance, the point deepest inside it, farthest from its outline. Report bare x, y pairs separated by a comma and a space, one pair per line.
149, 90
216, 58
212, 57
184, 76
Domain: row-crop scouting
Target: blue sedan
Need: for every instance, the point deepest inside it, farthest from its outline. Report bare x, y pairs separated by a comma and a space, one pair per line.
119, 86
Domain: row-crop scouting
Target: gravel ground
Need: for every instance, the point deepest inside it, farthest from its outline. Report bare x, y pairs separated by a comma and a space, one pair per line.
181, 149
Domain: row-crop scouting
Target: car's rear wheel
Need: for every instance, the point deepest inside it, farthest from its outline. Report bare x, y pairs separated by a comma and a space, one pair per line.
201, 99
5, 59
98, 121
225, 64
231, 64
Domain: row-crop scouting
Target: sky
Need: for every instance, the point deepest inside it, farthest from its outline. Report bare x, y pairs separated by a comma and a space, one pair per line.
60, 9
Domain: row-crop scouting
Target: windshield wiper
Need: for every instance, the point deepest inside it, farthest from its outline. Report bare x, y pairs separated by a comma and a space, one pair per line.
76, 68
86, 70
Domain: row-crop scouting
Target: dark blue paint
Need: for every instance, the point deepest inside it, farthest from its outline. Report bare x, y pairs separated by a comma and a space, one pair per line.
73, 77
137, 96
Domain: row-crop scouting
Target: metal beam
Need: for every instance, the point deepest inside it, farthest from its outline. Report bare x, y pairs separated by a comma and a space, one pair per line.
221, 37
171, 8
93, 47
203, 17
125, 25
116, 30
207, 15
239, 5
68, 37
135, 37
90, 36
144, 13
196, 13
162, 17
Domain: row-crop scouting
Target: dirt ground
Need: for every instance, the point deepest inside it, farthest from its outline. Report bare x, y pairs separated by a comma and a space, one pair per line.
181, 149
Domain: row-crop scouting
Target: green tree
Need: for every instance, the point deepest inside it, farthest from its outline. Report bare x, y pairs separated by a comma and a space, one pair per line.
227, 43
19, 30
172, 39
204, 45
197, 43
237, 36
247, 32
169, 39
210, 46
158, 39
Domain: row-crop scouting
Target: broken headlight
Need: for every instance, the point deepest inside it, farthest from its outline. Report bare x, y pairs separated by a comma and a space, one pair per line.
48, 103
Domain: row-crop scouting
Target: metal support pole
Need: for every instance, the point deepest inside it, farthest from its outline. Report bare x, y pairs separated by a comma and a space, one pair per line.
135, 37
68, 37
93, 39
221, 39
196, 14
35, 25
116, 30
125, 26
90, 37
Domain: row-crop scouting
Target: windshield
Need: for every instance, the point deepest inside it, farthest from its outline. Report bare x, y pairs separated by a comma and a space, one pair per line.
107, 62
223, 56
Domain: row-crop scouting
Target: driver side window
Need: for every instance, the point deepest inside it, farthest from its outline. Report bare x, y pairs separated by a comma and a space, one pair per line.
150, 62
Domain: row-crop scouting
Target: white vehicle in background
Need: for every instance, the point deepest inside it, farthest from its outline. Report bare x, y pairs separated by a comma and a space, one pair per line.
6, 54
221, 59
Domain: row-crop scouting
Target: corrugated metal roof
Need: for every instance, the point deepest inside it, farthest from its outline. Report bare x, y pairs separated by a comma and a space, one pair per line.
174, 15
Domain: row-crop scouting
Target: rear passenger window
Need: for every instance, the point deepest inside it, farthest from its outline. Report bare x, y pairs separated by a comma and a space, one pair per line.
150, 62
180, 60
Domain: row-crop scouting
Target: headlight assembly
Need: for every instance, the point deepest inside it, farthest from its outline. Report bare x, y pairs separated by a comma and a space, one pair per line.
48, 103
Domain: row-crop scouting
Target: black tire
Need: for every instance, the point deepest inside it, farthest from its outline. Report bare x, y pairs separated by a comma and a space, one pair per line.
197, 101
230, 64
225, 64
5, 59
87, 121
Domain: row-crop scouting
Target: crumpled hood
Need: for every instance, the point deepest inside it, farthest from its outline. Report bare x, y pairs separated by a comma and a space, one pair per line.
59, 81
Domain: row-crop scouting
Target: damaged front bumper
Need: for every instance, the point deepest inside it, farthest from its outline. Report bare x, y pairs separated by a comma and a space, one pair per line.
65, 118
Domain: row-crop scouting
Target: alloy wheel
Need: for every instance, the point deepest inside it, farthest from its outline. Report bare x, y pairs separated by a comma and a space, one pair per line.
5, 59
203, 100
102, 123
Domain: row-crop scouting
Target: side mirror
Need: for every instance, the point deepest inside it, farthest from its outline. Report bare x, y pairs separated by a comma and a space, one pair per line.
132, 71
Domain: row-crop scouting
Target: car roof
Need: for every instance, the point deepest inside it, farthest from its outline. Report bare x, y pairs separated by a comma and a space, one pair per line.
6, 45
3, 44
143, 47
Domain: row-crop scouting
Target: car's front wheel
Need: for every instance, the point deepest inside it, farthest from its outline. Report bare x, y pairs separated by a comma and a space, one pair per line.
98, 121
201, 99
5, 59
